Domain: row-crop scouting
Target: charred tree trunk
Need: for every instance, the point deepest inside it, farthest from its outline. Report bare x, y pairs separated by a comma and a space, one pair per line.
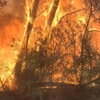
23, 52
52, 13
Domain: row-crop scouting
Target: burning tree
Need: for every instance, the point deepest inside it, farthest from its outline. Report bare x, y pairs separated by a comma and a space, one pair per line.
68, 46
61, 50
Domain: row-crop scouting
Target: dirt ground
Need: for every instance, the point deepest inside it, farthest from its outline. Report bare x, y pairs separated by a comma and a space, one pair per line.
60, 93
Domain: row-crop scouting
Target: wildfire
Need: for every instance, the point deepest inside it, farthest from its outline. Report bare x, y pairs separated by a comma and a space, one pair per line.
11, 35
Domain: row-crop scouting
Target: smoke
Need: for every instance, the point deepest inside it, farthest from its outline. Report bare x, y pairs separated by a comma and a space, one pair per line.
11, 22
9, 8
12, 17
14, 9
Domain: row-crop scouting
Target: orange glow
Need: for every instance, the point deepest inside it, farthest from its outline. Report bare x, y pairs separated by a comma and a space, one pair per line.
11, 35
10, 41
56, 77
10, 31
81, 19
58, 16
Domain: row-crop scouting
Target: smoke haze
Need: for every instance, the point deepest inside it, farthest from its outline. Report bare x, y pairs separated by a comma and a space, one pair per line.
11, 21
11, 29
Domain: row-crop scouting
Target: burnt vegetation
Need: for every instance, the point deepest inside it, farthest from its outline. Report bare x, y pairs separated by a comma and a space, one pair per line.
58, 63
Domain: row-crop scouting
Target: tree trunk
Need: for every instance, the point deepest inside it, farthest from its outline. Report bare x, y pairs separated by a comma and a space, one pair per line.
23, 51
52, 13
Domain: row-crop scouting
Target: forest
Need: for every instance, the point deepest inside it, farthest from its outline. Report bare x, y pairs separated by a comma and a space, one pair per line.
49, 50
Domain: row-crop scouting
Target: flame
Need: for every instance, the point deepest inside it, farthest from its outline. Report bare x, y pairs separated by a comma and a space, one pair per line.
12, 30
12, 34
10, 42
59, 14
81, 19
61, 11
57, 76
47, 12
29, 4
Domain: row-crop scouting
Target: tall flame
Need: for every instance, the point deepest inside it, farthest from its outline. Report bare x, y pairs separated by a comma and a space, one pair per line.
12, 28
11, 34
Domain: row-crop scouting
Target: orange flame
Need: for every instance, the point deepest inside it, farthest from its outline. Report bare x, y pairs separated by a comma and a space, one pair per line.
10, 41
12, 34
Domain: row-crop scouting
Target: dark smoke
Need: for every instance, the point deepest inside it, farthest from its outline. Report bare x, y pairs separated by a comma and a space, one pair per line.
14, 9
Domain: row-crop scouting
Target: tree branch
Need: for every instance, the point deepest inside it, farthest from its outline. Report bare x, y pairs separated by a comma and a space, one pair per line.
67, 14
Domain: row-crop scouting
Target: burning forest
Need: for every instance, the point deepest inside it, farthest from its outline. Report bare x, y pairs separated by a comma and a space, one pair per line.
49, 49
